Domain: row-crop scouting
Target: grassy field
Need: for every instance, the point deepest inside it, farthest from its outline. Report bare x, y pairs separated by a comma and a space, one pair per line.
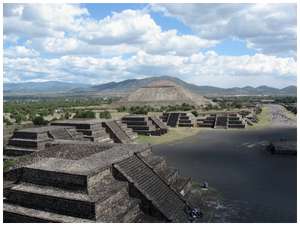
173, 134
264, 119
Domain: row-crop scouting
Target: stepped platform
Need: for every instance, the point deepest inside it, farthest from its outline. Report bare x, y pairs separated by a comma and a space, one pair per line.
29, 140
180, 119
127, 130
91, 129
222, 120
76, 182
143, 125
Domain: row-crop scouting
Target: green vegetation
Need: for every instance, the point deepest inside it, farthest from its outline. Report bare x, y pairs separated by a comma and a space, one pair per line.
85, 114
39, 120
174, 134
105, 115
145, 109
28, 108
195, 113
7, 164
264, 118
6, 121
285, 99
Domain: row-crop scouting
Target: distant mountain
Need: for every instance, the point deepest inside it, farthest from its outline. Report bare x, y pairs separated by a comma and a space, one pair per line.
131, 85
41, 87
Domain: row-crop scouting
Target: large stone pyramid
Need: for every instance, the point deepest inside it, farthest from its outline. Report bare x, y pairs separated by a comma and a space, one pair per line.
163, 92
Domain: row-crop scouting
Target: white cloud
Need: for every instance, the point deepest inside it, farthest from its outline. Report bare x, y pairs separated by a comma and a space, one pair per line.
202, 68
64, 29
64, 42
268, 28
20, 51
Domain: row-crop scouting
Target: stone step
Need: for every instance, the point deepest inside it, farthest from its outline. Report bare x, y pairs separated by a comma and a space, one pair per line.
157, 162
113, 210
182, 185
59, 173
168, 174
154, 189
132, 213
185, 125
116, 132
18, 214
18, 151
29, 143
76, 204
52, 200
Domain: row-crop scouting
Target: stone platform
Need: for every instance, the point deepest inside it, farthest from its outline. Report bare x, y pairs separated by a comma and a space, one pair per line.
144, 125
92, 129
178, 119
88, 182
26, 141
222, 120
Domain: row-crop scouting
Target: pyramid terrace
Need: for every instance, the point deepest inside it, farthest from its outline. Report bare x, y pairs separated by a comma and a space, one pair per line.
88, 182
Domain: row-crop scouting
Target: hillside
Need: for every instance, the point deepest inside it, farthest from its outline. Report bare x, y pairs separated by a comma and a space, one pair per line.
163, 93
131, 85
41, 87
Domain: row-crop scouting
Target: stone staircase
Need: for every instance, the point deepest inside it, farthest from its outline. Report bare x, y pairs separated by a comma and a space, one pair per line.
61, 134
170, 175
159, 124
127, 130
173, 119
92, 130
221, 122
50, 191
207, 121
185, 120
116, 132
141, 125
166, 200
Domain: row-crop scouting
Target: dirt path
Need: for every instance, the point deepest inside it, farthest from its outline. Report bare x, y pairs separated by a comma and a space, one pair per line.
280, 117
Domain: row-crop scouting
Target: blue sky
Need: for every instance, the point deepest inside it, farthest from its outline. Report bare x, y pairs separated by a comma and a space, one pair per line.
224, 45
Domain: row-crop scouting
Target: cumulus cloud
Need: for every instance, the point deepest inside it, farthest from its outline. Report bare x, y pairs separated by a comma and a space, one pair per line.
268, 28
66, 43
20, 51
198, 68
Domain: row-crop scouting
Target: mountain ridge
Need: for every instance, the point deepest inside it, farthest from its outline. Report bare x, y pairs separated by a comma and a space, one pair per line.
130, 85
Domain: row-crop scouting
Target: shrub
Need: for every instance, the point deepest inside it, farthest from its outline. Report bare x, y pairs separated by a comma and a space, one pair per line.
195, 113
105, 114
85, 114
7, 121
122, 109
39, 120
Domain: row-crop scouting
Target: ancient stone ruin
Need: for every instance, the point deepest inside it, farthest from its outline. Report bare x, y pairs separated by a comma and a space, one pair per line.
178, 119
163, 93
27, 141
222, 121
145, 125
92, 130
89, 182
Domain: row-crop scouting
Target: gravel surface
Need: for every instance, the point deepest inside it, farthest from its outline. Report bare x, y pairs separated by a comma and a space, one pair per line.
280, 117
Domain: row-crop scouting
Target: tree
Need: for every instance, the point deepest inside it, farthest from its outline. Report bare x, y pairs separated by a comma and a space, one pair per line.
105, 114
85, 114
7, 121
195, 113
39, 120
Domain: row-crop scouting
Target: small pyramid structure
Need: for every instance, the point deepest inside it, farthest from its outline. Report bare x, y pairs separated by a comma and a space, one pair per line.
163, 92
